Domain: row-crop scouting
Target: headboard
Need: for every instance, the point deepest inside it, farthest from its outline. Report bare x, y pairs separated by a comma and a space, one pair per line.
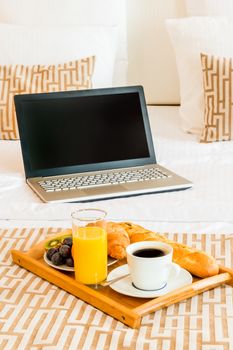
81, 12
150, 54
151, 60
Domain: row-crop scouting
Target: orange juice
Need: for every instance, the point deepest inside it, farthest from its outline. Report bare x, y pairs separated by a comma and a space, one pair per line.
90, 254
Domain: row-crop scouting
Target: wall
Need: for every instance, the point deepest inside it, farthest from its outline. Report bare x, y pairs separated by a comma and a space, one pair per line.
150, 55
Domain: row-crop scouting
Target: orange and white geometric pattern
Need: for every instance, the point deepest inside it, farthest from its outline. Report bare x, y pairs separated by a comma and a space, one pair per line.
218, 98
20, 79
35, 314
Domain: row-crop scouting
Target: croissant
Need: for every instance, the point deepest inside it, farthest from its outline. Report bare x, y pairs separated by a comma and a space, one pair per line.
117, 238
195, 261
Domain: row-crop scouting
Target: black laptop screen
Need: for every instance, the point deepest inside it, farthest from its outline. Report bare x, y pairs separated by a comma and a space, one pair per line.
80, 131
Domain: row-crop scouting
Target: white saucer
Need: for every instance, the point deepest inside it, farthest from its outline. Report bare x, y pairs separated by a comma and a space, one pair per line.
111, 261
126, 287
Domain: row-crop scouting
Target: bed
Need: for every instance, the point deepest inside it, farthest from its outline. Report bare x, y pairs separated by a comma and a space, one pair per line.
35, 314
207, 207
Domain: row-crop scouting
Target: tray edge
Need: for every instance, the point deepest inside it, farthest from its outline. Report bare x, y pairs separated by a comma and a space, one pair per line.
85, 293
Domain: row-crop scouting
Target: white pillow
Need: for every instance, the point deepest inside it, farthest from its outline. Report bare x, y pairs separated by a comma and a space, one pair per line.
209, 7
191, 36
52, 44
102, 13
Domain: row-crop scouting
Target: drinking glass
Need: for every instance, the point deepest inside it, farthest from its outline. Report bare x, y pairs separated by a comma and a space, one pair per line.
89, 245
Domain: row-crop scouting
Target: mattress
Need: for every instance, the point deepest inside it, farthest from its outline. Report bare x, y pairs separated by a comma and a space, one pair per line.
207, 207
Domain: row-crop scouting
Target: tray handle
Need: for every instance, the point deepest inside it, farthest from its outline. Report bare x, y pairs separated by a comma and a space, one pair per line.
183, 293
227, 269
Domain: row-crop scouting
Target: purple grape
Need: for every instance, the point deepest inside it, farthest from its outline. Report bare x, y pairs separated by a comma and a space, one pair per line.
70, 262
50, 253
68, 241
57, 259
65, 251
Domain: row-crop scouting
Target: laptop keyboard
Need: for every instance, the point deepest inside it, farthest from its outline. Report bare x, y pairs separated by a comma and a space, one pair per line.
102, 179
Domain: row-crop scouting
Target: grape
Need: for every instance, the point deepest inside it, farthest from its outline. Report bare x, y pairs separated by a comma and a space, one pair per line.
65, 251
70, 262
57, 259
68, 241
50, 253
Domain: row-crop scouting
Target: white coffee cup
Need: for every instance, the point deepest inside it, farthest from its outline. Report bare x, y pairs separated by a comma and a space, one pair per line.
151, 273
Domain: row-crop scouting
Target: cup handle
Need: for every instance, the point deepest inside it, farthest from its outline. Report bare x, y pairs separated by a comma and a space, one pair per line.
174, 270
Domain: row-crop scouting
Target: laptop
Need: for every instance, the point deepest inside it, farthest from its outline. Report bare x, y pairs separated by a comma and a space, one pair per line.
89, 145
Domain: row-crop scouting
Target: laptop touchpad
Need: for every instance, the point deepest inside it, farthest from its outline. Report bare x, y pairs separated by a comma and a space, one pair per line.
105, 189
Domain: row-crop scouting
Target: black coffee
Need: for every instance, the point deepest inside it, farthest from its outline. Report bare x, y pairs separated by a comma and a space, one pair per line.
149, 253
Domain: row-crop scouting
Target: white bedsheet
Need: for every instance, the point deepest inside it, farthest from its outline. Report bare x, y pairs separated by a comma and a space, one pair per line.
207, 207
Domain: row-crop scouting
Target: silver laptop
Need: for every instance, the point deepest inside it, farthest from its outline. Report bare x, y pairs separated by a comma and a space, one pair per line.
89, 145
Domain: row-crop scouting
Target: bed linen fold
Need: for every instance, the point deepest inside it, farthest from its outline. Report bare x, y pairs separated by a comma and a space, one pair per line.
208, 166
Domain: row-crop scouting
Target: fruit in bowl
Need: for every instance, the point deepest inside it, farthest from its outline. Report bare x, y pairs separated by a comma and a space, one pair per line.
59, 250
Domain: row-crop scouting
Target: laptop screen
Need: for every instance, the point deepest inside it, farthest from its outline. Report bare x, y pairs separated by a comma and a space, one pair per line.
83, 131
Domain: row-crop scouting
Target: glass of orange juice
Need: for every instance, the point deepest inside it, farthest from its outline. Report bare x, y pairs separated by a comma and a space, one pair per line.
89, 245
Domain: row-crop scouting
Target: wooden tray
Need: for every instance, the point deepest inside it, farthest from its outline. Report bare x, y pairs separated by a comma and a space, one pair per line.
126, 309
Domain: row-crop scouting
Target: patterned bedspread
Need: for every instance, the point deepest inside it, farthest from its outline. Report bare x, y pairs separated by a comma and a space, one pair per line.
35, 314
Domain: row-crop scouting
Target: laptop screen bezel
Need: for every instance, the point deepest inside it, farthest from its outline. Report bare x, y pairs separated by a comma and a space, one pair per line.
65, 170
